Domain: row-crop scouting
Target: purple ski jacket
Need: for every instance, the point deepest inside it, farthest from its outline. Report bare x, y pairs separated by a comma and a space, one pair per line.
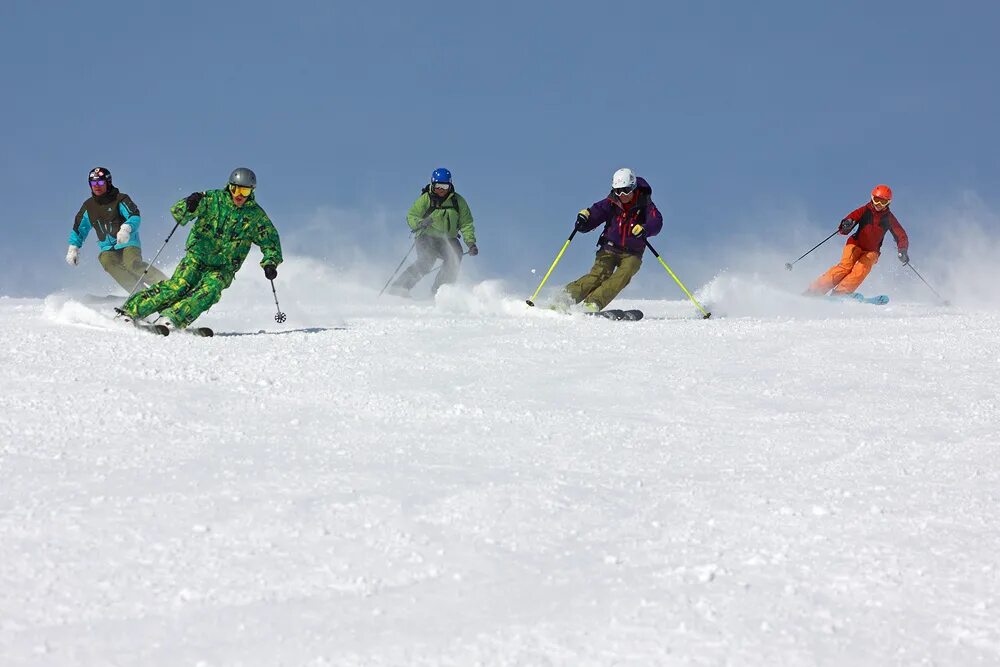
618, 220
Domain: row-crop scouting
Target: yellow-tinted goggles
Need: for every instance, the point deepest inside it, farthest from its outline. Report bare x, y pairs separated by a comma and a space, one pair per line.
240, 190
879, 201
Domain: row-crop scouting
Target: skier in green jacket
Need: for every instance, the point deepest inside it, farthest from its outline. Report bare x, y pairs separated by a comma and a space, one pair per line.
437, 218
226, 223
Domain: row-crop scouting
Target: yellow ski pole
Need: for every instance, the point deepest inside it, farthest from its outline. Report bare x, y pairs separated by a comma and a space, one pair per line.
531, 301
678, 281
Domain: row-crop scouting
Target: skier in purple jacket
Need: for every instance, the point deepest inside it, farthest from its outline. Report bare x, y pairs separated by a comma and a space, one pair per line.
629, 216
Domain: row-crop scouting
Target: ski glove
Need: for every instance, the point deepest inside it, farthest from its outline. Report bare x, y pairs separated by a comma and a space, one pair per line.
124, 234
73, 255
904, 257
846, 225
193, 200
422, 227
473, 250
270, 272
638, 231
582, 219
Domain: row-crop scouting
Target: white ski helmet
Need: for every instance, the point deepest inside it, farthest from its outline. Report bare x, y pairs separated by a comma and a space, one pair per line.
623, 178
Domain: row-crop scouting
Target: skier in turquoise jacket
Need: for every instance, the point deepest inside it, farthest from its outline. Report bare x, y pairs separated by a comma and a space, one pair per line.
114, 217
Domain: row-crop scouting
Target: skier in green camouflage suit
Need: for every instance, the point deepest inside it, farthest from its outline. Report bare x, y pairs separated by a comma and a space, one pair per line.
226, 223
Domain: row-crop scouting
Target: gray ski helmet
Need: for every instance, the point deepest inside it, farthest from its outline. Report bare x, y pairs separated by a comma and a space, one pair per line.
243, 176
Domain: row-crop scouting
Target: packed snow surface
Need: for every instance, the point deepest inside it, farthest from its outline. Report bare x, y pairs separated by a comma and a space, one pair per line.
469, 481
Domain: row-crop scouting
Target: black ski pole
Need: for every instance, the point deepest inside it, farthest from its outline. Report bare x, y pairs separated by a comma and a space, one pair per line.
386, 286
149, 264
789, 265
279, 317
941, 298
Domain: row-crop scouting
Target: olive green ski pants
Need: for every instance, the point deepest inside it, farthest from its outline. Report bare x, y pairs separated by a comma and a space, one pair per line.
612, 271
126, 267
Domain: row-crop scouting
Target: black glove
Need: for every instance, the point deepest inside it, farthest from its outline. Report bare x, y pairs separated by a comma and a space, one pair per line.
473, 250
270, 272
193, 200
846, 225
904, 257
582, 220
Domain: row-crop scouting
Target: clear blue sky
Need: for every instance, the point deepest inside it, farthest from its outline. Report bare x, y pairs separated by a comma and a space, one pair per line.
727, 108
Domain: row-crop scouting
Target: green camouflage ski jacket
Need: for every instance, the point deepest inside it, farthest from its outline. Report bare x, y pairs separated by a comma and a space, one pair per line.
223, 232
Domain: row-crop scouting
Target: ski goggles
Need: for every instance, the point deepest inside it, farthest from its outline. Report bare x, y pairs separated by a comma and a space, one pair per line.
623, 191
441, 186
240, 190
100, 184
879, 201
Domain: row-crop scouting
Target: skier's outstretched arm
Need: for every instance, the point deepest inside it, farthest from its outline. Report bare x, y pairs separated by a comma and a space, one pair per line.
130, 212
465, 222
266, 238
898, 233
418, 215
654, 220
81, 228
591, 218
189, 208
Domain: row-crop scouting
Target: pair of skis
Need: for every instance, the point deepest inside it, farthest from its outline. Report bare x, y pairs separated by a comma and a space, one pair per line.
162, 329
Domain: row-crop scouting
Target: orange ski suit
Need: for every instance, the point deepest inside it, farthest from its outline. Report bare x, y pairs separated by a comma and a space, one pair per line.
862, 250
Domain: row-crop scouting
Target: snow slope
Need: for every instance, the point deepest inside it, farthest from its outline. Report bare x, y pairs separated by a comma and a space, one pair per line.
472, 482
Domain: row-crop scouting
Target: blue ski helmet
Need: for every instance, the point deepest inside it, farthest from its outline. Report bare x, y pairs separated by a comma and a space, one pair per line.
441, 175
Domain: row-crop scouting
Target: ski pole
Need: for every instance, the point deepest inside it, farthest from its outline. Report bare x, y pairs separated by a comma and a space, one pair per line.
678, 281
279, 317
424, 224
384, 287
789, 265
943, 300
149, 264
531, 301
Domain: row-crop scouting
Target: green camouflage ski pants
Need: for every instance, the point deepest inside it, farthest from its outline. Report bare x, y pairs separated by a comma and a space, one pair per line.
192, 290
126, 267
611, 272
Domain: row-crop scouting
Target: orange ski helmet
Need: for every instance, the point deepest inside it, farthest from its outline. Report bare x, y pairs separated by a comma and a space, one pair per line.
882, 192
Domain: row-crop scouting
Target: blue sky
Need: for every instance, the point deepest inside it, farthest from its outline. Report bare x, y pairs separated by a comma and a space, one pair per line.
730, 110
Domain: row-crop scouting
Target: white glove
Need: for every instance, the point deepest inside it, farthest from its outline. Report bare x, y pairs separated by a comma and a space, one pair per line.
124, 233
73, 255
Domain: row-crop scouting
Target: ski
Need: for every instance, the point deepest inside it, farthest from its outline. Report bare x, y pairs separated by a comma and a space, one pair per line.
879, 300
610, 314
202, 332
633, 315
617, 314
158, 329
